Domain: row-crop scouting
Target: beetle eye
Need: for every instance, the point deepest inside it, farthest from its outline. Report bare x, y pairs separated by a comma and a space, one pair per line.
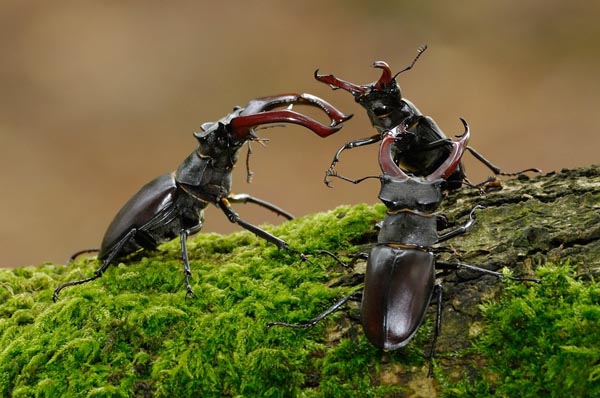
380, 111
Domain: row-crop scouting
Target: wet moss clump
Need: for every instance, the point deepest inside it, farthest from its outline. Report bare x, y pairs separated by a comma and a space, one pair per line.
540, 340
133, 333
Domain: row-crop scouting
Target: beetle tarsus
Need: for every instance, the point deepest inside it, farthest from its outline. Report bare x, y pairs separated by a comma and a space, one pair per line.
311, 323
74, 256
462, 229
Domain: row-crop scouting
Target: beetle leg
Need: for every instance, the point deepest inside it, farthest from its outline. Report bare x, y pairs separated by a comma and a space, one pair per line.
438, 327
357, 181
336, 258
79, 253
434, 145
452, 162
235, 218
462, 229
495, 169
321, 316
245, 198
98, 273
361, 255
499, 275
349, 145
183, 234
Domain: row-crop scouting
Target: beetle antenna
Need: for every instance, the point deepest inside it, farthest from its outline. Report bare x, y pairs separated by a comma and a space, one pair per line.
249, 173
420, 51
261, 141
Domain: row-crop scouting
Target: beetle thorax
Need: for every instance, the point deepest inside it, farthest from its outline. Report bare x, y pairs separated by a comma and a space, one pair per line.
416, 194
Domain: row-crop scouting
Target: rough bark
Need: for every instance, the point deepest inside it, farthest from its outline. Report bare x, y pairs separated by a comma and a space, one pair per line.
133, 333
554, 218
529, 222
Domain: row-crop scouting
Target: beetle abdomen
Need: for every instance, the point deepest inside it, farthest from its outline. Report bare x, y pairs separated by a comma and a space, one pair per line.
145, 205
399, 284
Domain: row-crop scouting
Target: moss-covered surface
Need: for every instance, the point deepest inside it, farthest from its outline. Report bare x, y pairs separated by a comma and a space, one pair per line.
541, 340
132, 333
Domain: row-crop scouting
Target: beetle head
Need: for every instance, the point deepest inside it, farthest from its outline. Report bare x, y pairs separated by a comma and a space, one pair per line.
230, 133
216, 140
381, 99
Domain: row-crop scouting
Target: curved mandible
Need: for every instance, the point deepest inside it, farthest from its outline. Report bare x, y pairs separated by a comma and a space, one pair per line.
260, 111
386, 75
453, 159
268, 103
386, 159
336, 83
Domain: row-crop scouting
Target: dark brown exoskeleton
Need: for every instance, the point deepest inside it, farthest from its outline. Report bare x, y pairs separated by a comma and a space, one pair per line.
425, 146
172, 205
400, 279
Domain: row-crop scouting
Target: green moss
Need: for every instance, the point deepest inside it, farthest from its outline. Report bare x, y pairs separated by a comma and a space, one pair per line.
132, 333
540, 340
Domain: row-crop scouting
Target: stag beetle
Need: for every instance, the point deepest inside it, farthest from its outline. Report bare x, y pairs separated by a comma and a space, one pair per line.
401, 268
424, 147
172, 205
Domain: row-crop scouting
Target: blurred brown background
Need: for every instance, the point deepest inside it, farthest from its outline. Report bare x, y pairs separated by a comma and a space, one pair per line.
97, 98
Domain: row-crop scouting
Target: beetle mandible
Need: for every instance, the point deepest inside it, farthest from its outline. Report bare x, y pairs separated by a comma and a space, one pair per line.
400, 279
424, 147
172, 205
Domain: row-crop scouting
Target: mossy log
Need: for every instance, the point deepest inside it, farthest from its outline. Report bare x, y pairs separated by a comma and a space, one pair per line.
132, 333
